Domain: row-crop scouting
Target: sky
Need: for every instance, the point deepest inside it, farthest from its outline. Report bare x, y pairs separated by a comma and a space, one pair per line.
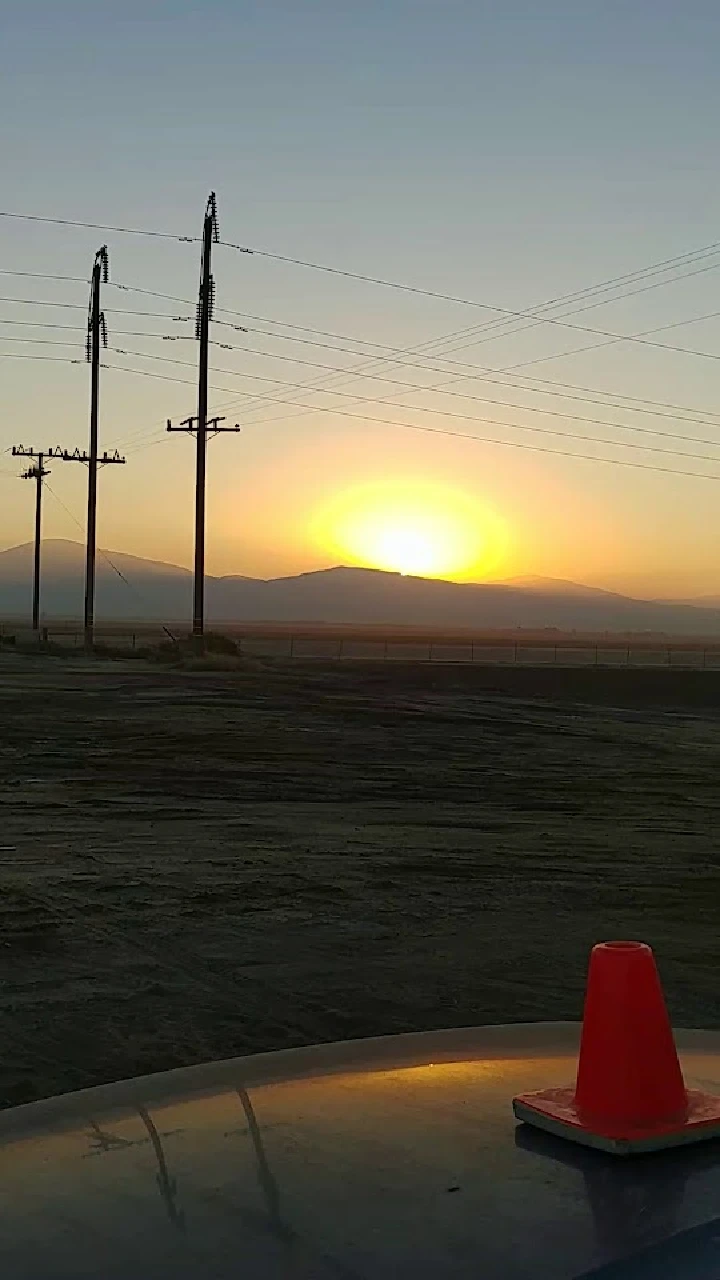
503, 153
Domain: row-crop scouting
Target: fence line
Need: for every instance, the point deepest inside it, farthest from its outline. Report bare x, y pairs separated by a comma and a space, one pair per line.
502, 652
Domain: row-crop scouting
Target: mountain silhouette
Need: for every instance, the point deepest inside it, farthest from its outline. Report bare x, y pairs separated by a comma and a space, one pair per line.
131, 587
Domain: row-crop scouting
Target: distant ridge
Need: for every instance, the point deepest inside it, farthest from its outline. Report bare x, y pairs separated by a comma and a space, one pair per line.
150, 590
557, 586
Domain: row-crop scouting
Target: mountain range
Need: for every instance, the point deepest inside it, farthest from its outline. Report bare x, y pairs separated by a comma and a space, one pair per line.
149, 590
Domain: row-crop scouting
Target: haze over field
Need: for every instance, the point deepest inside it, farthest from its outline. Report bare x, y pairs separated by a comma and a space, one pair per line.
130, 587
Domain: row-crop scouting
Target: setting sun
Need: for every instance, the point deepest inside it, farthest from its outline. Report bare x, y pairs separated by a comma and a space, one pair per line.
405, 549
412, 528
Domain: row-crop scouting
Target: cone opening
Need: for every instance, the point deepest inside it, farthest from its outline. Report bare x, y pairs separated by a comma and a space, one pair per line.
624, 946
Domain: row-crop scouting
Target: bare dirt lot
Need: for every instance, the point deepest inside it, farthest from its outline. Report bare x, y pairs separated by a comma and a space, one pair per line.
197, 865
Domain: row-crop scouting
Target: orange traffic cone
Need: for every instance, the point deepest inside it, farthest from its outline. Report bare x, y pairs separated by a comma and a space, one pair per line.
629, 1095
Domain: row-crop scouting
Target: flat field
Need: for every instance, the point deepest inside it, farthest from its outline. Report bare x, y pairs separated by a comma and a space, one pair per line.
199, 864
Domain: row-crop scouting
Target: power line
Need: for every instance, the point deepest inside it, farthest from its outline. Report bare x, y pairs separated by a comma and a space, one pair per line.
65, 508
591, 292
413, 426
667, 263
310, 386
551, 382
44, 342
97, 226
26, 355
660, 268
42, 302
468, 302
445, 413
372, 362
638, 405
42, 324
373, 359
428, 346
415, 386
513, 426
437, 389
361, 276
78, 306
596, 346
73, 328
510, 444
136, 592
377, 280
41, 275
151, 293
474, 337
162, 377
475, 371
343, 413
416, 426
637, 338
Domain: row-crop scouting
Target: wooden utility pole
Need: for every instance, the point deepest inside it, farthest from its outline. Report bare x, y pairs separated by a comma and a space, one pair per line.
205, 303
93, 461
38, 474
96, 332
199, 425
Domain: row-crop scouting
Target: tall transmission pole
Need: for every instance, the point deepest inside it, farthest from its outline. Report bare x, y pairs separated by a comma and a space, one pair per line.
96, 333
199, 426
38, 474
204, 312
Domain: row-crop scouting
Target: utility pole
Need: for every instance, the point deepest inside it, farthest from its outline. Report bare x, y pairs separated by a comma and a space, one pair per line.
199, 426
96, 332
38, 474
202, 333
100, 460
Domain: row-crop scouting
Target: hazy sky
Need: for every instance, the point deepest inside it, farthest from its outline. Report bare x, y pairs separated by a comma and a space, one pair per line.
507, 152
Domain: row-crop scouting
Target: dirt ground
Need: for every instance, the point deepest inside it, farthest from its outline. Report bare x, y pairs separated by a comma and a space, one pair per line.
198, 865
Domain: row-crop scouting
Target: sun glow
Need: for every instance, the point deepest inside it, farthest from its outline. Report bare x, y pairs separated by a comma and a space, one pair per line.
413, 528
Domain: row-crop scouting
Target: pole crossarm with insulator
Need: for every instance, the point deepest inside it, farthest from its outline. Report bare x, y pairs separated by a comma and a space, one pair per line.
38, 474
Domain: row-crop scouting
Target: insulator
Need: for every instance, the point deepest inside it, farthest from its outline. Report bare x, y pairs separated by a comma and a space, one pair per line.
197, 321
211, 212
103, 329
